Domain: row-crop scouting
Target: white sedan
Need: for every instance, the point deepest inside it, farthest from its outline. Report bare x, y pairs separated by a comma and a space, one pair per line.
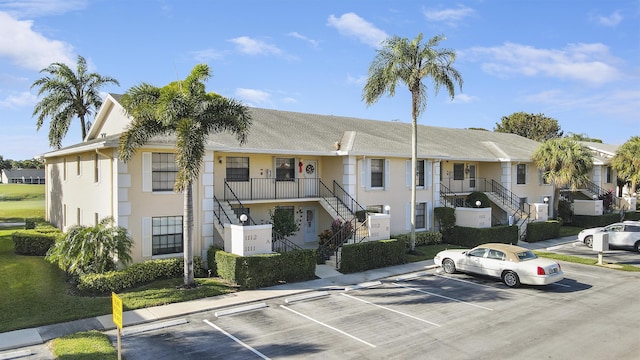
513, 264
624, 235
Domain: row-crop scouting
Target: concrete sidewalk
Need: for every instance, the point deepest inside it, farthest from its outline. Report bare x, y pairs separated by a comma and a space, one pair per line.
329, 279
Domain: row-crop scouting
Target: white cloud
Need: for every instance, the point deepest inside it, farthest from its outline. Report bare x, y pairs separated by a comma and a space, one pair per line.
289, 100
612, 20
35, 8
450, 16
29, 49
464, 98
207, 55
589, 63
313, 43
253, 95
251, 46
359, 80
619, 103
18, 100
352, 25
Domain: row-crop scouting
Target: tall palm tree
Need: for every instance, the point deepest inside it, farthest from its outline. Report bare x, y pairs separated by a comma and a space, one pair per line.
409, 62
626, 162
68, 94
564, 162
186, 110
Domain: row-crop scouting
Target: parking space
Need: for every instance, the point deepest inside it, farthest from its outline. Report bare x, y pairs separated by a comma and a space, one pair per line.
456, 316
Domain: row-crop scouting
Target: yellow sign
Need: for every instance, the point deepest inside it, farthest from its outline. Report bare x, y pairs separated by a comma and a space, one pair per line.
116, 304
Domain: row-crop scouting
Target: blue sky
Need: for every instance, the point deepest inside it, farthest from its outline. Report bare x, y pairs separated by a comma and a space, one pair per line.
577, 61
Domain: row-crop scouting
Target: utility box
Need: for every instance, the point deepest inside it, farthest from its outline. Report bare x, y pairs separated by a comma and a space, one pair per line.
601, 241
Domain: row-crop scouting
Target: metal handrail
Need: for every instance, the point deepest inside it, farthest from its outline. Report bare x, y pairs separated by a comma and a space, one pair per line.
218, 206
271, 188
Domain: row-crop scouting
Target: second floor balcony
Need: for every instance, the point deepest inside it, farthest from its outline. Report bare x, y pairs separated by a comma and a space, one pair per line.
271, 189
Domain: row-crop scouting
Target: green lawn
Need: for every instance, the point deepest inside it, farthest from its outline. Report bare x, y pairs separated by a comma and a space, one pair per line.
19, 201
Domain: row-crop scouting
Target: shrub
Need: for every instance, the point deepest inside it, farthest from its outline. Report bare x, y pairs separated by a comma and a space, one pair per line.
34, 242
372, 255
472, 237
564, 211
136, 275
589, 221
266, 269
543, 230
422, 238
446, 218
29, 223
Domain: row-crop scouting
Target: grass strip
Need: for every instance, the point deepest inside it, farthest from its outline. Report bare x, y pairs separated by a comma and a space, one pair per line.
587, 261
89, 345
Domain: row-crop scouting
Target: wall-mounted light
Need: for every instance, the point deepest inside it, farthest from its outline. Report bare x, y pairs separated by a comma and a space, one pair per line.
466, 170
478, 203
387, 209
546, 199
220, 159
243, 218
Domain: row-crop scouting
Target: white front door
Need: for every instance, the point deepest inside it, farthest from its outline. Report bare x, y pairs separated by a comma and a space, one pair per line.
310, 171
310, 224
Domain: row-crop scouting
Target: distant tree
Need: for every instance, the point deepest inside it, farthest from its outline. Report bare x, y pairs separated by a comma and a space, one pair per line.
27, 164
68, 95
409, 62
283, 222
626, 162
475, 128
92, 249
536, 127
564, 162
186, 110
582, 137
4, 164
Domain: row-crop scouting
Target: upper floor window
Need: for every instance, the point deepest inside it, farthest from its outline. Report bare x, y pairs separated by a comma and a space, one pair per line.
521, 174
163, 171
609, 174
77, 165
458, 171
95, 168
285, 169
420, 173
237, 168
377, 173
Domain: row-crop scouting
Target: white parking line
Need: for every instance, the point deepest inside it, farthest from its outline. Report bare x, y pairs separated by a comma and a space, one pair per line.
325, 325
237, 340
389, 309
442, 296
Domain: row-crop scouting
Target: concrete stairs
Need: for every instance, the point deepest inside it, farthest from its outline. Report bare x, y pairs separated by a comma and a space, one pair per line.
226, 211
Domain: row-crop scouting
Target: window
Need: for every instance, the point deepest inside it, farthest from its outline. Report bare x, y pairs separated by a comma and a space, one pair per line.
163, 171
375, 209
608, 175
78, 216
96, 219
377, 173
95, 168
64, 169
421, 216
420, 173
166, 235
495, 254
521, 174
477, 252
77, 165
237, 168
285, 169
458, 171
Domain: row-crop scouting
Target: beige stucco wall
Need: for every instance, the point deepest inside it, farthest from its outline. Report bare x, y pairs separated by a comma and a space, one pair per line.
73, 196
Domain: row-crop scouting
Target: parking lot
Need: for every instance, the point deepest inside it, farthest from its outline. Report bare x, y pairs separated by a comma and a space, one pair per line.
592, 314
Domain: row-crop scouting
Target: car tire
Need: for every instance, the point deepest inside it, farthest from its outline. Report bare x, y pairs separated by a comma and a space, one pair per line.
588, 241
511, 279
448, 266
636, 247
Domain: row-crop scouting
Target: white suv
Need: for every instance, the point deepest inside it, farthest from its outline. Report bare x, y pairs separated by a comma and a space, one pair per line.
621, 235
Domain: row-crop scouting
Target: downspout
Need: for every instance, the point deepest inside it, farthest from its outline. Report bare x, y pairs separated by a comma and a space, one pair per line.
110, 182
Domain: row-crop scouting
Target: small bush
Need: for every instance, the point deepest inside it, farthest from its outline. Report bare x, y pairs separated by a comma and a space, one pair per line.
34, 242
372, 255
543, 230
29, 223
136, 275
472, 237
422, 238
446, 218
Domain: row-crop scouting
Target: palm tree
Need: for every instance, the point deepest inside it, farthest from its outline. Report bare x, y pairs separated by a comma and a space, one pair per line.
68, 95
92, 249
564, 162
410, 62
626, 162
186, 110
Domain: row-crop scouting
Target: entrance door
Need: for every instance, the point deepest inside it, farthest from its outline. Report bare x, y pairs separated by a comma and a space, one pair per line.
310, 224
310, 171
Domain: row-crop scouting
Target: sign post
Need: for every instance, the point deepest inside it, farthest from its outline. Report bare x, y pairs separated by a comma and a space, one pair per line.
116, 305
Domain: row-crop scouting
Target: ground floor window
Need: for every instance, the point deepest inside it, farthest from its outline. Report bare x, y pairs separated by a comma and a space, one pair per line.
166, 235
421, 215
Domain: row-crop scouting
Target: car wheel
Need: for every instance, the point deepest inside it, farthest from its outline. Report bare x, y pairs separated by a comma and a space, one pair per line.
588, 241
448, 266
510, 278
637, 246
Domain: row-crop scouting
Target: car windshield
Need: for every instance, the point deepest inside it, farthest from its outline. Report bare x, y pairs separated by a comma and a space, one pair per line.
526, 255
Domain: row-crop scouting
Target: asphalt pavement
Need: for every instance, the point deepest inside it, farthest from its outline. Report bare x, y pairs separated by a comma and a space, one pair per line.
32, 342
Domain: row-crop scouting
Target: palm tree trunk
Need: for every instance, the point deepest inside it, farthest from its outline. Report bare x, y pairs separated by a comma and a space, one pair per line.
83, 127
414, 160
188, 236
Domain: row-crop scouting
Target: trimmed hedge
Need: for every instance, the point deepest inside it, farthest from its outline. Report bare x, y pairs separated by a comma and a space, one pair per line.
262, 270
136, 275
422, 238
589, 221
34, 242
446, 217
472, 237
372, 255
543, 230
632, 215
